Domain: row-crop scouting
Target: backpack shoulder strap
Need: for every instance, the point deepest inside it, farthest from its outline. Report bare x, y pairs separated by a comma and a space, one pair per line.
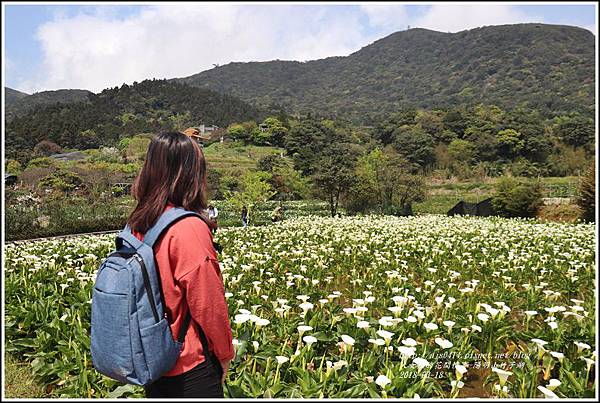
167, 219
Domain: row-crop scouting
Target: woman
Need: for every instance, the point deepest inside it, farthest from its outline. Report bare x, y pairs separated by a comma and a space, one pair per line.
213, 213
173, 175
244, 216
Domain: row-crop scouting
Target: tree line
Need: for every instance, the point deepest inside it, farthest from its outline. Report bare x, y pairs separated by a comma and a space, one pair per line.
382, 169
116, 113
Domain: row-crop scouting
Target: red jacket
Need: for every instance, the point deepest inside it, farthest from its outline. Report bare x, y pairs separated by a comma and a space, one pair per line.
190, 276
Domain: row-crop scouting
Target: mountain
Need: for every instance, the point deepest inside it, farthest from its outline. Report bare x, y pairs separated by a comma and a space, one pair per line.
540, 66
11, 96
105, 118
26, 103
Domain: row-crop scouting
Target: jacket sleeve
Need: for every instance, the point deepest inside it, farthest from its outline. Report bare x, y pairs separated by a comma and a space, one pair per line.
205, 296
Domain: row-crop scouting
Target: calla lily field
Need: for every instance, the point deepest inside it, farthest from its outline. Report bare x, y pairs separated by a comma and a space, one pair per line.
353, 307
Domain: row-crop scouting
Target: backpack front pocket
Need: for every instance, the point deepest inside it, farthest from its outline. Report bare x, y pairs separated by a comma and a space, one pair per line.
160, 350
110, 335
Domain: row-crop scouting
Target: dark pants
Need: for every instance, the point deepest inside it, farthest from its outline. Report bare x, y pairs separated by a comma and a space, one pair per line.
202, 381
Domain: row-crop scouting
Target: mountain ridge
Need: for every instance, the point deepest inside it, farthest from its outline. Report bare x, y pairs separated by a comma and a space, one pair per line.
11, 95
25, 104
540, 66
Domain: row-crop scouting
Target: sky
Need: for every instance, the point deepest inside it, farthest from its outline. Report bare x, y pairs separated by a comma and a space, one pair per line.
97, 46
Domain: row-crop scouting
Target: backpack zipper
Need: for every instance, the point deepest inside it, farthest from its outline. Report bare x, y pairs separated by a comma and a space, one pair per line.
147, 286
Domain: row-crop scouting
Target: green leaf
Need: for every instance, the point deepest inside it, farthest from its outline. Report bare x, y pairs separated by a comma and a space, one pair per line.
355, 391
234, 391
322, 336
373, 394
273, 391
574, 381
121, 390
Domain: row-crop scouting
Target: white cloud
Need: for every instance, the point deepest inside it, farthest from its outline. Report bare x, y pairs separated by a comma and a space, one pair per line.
386, 15
165, 41
98, 48
454, 17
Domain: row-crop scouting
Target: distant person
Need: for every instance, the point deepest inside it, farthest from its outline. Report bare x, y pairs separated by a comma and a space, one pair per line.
277, 214
213, 213
244, 216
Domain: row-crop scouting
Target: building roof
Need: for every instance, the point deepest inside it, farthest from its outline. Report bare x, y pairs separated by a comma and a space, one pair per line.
195, 132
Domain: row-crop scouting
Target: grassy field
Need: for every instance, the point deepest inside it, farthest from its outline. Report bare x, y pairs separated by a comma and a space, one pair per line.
443, 195
233, 156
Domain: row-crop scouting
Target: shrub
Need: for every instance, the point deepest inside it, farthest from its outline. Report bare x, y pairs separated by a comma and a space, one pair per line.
586, 198
61, 180
567, 160
106, 154
46, 148
524, 167
136, 148
42, 162
31, 176
21, 214
515, 198
213, 182
268, 162
13, 166
28, 216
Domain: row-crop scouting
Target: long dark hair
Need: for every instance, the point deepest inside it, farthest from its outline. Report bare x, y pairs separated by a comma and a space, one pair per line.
174, 172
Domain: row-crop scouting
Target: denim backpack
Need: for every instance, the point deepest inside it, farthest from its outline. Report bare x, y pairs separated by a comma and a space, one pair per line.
131, 340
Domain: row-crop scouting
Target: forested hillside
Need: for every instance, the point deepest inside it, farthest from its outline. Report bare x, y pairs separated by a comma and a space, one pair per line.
549, 68
11, 96
22, 103
115, 113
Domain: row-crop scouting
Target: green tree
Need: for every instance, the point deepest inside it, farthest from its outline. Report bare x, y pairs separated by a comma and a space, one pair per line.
334, 173
213, 183
415, 145
384, 183
276, 129
567, 160
432, 123
513, 198
181, 121
511, 142
385, 131
256, 190
455, 122
575, 130
260, 136
366, 194
586, 197
290, 182
238, 132
461, 150
306, 141
286, 181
